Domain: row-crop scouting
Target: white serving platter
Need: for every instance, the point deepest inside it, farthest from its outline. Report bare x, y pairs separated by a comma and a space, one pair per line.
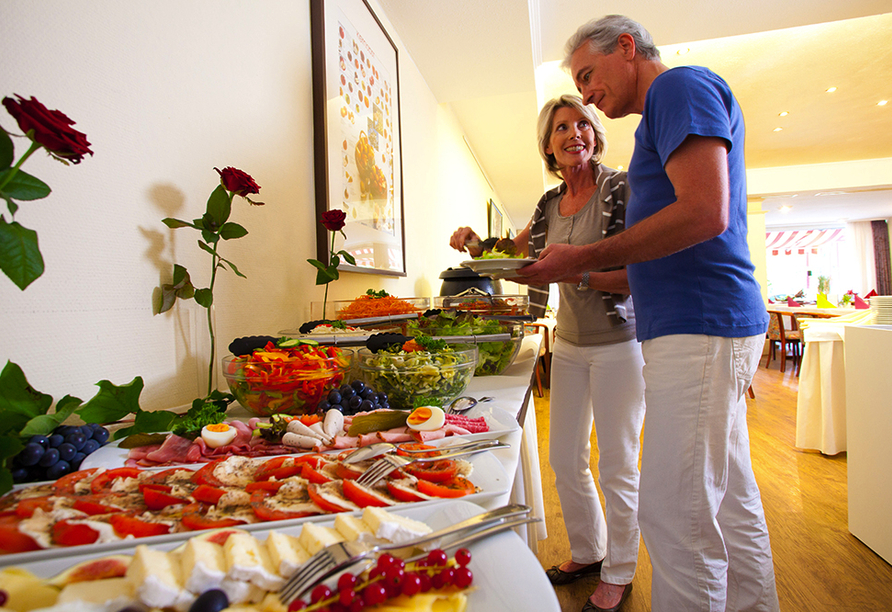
500, 423
497, 268
507, 575
488, 474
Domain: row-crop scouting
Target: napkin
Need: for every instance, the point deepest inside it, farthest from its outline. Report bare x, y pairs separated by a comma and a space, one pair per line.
823, 302
861, 304
793, 303
872, 293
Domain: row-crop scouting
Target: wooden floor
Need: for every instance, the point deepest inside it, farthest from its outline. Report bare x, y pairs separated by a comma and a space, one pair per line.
819, 565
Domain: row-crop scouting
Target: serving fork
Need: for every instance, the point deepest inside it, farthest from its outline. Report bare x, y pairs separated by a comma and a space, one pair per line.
338, 557
386, 464
376, 449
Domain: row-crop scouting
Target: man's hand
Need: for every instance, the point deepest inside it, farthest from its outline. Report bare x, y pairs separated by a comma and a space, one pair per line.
556, 262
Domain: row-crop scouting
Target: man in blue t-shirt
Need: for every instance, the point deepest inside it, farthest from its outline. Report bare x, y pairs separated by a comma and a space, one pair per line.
700, 317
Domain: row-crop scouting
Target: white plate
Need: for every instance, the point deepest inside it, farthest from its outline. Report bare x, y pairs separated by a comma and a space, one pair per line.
500, 423
507, 575
488, 475
497, 268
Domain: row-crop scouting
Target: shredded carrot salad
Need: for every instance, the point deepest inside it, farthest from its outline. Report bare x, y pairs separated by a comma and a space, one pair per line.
370, 306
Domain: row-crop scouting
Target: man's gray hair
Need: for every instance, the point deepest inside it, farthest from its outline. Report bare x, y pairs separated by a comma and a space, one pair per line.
602, 35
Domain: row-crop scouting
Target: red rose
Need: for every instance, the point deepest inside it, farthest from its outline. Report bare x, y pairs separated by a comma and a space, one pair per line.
49, 128
238, 182
333, 220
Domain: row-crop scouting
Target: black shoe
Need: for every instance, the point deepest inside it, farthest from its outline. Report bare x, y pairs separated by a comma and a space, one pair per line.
557, 576
590, 607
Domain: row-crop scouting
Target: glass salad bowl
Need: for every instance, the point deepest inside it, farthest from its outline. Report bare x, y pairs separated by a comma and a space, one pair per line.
417, 378
287, 380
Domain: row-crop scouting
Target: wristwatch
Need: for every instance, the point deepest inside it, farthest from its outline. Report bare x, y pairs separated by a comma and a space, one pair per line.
583, 284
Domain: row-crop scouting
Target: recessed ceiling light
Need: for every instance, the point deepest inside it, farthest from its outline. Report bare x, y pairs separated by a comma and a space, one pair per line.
785, 208
882, 103
783, 114
778, 129
831, 89
619, 167
683, 51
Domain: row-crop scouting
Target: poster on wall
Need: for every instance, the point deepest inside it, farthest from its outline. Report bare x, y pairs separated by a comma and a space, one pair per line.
357, 135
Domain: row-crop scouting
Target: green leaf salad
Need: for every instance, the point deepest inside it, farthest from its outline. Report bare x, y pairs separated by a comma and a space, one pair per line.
494, 357
418, 377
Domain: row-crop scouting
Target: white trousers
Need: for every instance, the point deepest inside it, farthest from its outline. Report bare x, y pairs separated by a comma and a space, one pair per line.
601, 384
700, 508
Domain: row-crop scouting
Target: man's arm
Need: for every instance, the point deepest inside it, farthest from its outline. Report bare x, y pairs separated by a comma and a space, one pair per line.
698, 170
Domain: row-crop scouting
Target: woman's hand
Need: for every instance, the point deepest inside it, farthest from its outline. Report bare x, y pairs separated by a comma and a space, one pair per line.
460, 239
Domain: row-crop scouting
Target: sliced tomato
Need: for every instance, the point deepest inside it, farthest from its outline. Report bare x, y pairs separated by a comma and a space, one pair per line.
313, 475
158, 497
126, 524
26, 507
271, 486
267, 513
345, 471
208, 494
266, 469
322, 502
66, 533
92, 505
362, 496
65, 485
102, 483
404, 494
281, 468
433, 471
403, 449
457, 486
195, 519
205, 475
166, 475
12, 540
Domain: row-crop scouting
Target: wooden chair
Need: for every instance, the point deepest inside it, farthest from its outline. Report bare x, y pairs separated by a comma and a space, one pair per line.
544, 360
786, 339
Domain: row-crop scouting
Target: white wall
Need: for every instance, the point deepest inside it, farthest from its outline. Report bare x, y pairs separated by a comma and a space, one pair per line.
166, 91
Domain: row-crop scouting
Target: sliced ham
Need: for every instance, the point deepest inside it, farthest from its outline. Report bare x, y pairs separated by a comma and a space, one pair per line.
473, 425
172, 451
427, 436
394, 436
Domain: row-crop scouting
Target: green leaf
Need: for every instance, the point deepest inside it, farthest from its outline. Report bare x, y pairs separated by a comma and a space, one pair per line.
325, 276
234, 269
19, 401
112, 402
9, 447
12, 206
176, 223
180, 276
20, 257
204, 297
7, 149
231, 230
348, 257
46, 423
206, 247
219, 206
23, 186
147, 422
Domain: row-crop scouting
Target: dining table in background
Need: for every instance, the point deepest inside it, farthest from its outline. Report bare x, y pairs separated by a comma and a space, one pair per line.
821, 401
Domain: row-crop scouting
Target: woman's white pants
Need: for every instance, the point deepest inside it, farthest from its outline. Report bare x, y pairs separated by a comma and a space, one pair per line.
700, 508
603, 384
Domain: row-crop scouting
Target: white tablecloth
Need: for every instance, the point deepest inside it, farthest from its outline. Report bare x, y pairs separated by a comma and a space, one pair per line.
821, 404
512, 392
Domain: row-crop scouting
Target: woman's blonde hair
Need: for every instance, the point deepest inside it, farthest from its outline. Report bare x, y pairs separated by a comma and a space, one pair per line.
546, 118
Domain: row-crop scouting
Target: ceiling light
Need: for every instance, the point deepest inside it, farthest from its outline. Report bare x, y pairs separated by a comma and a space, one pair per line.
683, 51
619, 167
831, 89
778, 129
783, 114
785, 208
882, 103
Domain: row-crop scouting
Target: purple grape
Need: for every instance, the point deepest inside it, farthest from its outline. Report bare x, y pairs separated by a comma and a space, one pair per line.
50, 457
31, 454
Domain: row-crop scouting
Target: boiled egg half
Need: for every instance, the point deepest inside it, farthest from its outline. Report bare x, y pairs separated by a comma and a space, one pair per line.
219, 434
426, 418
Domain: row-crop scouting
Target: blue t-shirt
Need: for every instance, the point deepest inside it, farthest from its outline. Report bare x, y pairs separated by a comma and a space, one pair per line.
709, 288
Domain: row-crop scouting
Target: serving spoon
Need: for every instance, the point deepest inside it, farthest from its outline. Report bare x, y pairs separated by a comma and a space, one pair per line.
465, 403
376, 449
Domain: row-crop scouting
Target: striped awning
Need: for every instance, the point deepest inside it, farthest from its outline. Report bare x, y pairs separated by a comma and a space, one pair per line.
800, 241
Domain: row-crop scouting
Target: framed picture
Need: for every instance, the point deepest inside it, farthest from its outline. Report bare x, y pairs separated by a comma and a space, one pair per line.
494, 215
356, 118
